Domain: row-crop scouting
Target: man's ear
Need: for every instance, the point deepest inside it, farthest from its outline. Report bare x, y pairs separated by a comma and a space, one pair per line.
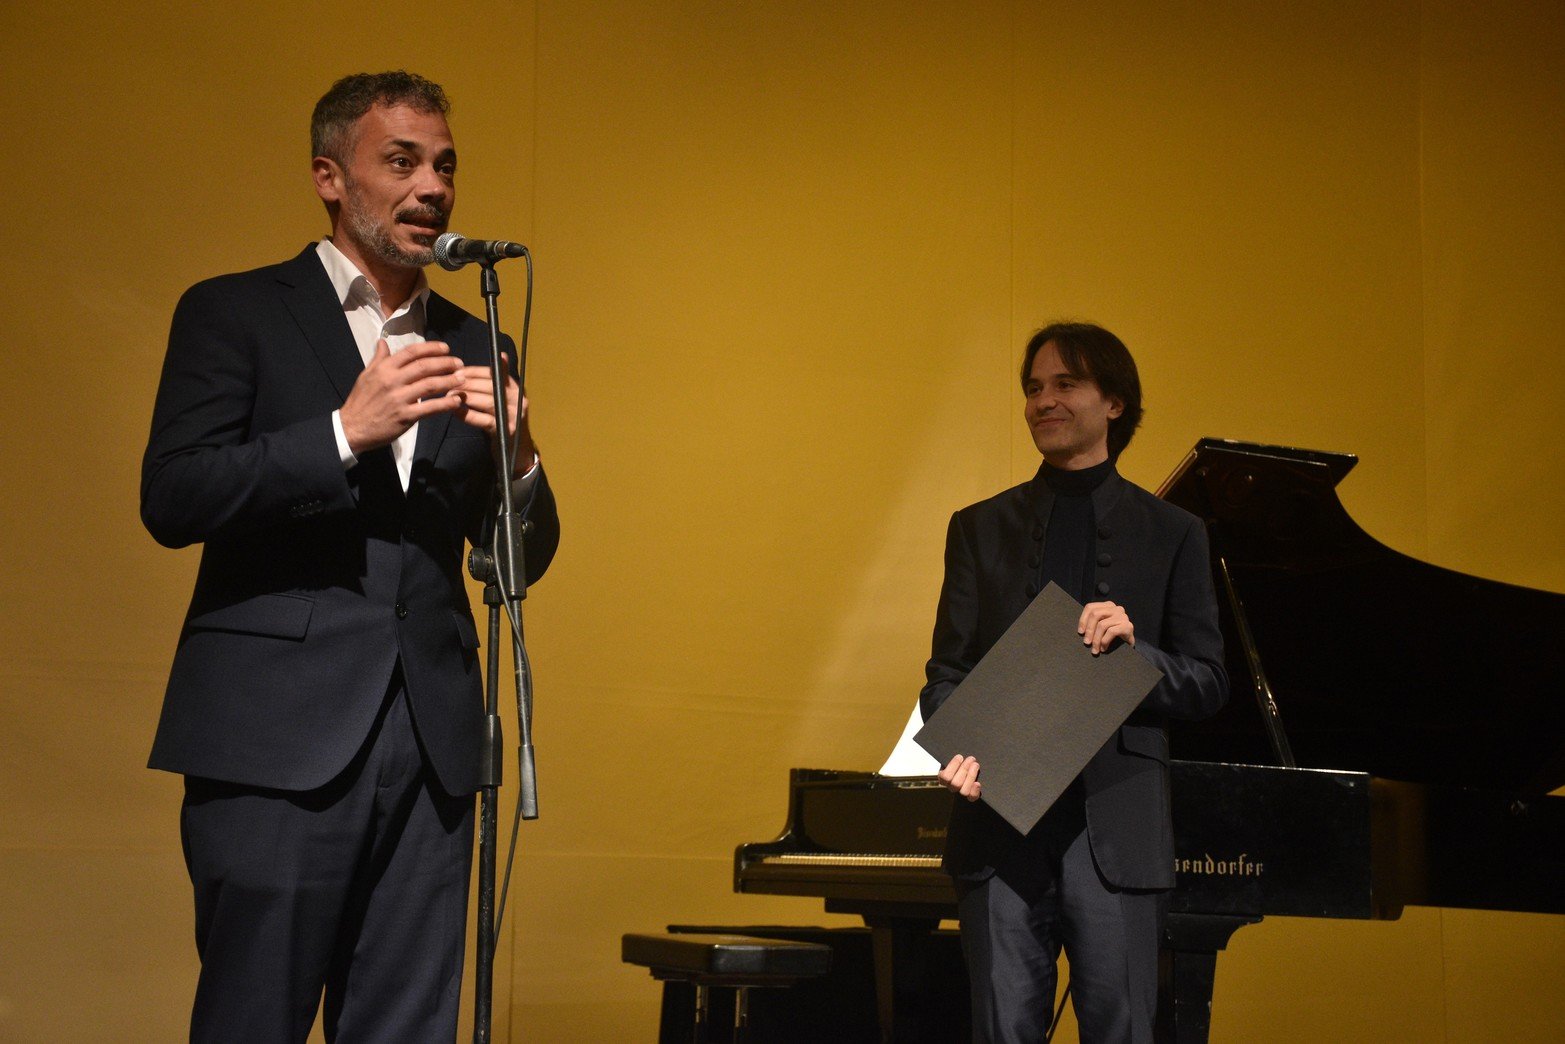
330, 184
1116, 407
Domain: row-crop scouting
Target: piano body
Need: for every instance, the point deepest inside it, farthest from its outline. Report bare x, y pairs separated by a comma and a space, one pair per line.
1387, 742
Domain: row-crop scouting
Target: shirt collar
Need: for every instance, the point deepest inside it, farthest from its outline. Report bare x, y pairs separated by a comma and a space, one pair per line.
352, 286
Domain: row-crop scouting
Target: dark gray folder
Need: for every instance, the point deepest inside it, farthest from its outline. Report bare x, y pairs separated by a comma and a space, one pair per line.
1037, 707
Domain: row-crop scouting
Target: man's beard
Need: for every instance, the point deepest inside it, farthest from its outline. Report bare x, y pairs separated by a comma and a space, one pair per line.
376, 237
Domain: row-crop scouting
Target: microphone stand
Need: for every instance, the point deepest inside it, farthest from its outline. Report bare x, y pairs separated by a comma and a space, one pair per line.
502, 568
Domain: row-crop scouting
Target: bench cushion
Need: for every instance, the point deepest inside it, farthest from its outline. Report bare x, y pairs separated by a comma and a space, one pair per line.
729, 957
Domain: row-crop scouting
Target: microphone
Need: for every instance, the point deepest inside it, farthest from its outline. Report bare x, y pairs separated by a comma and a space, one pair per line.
453, 251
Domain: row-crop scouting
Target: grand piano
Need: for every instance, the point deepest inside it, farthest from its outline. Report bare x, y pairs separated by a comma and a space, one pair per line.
1392, 736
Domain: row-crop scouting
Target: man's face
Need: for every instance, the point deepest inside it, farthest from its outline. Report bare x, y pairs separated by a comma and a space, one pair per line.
396, 193
1067, 413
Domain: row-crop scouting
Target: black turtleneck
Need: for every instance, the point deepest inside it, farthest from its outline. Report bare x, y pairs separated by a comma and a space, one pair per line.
1070, 543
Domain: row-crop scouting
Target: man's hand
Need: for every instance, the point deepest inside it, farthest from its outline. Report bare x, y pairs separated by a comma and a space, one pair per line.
477, 394
1101, 623
395, 391
961, 776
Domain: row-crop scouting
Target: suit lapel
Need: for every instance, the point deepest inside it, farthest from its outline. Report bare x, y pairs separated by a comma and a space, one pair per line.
440, 324
308, 295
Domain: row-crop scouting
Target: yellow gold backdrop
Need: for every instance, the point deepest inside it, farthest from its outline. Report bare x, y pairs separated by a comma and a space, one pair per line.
787, 254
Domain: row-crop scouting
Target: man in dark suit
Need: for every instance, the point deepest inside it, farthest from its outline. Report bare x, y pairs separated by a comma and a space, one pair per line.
324, 428
1090, 877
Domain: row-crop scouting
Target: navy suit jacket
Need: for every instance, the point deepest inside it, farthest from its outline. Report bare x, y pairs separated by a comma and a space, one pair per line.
315, 580
1152, 559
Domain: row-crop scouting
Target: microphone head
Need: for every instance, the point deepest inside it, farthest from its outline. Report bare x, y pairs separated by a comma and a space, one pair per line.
443, 244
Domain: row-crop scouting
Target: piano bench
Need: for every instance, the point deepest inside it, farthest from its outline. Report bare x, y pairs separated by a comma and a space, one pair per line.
734, 962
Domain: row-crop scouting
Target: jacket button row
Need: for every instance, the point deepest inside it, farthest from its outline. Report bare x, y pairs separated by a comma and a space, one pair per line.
402, 611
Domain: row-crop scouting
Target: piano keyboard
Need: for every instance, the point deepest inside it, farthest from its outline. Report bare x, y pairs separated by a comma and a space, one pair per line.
851, 859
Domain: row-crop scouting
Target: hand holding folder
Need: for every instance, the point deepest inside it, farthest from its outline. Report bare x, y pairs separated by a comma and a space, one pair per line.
1037, 707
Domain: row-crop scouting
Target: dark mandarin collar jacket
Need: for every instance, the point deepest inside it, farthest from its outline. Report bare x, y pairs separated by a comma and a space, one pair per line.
1151, 557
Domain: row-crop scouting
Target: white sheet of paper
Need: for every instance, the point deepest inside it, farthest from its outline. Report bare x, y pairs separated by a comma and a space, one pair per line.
907, 757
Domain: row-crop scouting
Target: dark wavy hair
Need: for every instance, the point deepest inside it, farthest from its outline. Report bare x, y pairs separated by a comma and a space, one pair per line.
339, 110
1089, 351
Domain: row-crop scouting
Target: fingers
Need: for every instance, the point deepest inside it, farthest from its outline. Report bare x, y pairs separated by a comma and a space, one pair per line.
1092, 612
1102, 623
430, 386
467, 414
431, 406
479, 397
961, 776
477, 408
468, 390
477, 392
1108, 633
395, 390
416, 368
418, 371
421, 350
478, 377
1096, 636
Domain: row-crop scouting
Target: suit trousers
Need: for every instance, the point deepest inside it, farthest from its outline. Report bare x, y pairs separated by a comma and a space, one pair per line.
1015, 921
357, 889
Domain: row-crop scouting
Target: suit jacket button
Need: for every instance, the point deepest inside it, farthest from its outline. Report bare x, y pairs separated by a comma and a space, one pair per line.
1037, 530
402, 611
1104, 534
1032, 563
1105, 559
1103, 587
1032, 590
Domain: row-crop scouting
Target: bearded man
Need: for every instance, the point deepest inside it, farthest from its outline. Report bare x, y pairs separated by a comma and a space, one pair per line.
324, 428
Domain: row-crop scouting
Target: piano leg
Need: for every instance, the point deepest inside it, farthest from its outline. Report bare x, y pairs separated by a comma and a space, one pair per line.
899, 945
1188, 968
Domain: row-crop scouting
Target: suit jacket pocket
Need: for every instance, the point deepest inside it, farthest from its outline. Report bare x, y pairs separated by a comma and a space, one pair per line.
466, 631
1145, 740
272, 615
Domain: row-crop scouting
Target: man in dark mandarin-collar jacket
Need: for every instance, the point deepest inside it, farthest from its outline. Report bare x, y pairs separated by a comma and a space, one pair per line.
1091, 875
324, 428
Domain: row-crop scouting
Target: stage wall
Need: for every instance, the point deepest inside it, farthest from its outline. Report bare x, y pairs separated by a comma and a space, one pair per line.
787, 256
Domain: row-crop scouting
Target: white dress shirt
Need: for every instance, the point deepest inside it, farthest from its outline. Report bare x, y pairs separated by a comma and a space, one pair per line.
367, 319
369, 323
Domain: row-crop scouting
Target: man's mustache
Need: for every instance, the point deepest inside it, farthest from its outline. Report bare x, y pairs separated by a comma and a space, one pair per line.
428, 214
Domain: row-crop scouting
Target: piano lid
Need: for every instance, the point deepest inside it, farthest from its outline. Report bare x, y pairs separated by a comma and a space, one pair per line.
1379, 662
